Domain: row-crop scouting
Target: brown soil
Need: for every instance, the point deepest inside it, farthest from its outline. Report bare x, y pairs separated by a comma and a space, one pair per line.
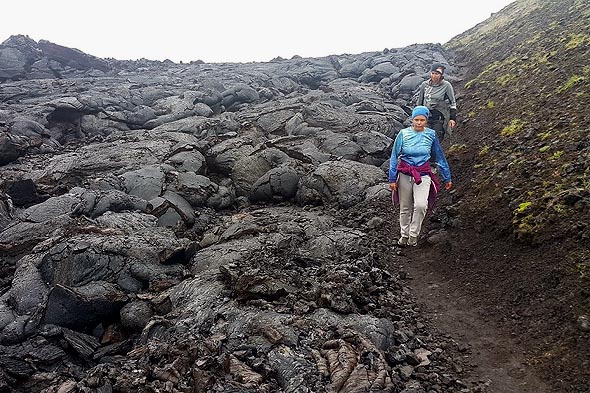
512, 305
478, 288
497, 356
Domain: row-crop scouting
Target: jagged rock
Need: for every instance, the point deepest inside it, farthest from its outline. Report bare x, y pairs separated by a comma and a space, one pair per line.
146, 183
277, 183
172, 210
190, 160
135, 315
342, 181
224, 155
15, 54
338, 145
240, 93
72, 57
83, 307
80, 280
6, 212
274, 122
196, 189
291, 297
247, 170
12, 147
23, 192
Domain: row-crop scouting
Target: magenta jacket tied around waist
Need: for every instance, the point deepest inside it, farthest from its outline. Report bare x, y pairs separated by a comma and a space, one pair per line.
417, 172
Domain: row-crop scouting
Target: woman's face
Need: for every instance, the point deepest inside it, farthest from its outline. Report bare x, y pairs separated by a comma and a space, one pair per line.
419, 123
435, 76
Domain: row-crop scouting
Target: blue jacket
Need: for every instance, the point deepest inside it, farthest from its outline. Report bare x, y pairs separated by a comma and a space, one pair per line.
416, 148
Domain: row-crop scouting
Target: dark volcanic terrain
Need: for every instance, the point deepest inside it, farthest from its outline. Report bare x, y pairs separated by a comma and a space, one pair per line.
229, 228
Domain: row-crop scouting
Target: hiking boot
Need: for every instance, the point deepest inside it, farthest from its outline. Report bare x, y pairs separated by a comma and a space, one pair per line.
413, 241
403, 241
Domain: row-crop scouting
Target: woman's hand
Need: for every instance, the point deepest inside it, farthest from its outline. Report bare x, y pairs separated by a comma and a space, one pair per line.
393, 186
449, 185
452, 123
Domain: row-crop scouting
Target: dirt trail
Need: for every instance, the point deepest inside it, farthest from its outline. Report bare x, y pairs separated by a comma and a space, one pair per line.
497, 358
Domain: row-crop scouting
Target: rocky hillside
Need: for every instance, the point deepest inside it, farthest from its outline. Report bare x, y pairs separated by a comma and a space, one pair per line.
523, 155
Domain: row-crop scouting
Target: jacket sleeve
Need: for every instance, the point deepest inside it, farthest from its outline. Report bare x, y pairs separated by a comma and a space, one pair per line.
451, 95
421, 94
441, 161
453, 114
395, 153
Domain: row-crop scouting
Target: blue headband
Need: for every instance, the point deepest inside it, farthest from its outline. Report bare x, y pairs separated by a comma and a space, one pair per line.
421, 111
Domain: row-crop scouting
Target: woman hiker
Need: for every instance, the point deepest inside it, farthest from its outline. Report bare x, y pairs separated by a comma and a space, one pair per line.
438, 96
411, 179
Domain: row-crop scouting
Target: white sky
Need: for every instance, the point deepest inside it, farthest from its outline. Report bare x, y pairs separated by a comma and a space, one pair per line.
240, 30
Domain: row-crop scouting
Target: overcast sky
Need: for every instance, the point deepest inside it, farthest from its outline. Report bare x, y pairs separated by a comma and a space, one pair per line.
240, 30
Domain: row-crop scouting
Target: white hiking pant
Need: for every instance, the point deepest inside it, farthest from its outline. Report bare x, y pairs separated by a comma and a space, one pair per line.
413, 204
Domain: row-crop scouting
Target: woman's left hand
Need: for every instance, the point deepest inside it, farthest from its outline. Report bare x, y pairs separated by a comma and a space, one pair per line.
449, 185
452, 123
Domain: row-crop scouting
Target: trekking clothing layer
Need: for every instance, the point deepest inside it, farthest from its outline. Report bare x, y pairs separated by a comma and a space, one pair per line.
413, 204
416, 148
439, 97
417, 173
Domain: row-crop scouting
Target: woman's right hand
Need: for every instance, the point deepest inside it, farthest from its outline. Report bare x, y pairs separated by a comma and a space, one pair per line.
393, 186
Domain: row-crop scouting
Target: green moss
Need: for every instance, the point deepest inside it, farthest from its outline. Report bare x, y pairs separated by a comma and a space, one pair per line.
515, 126
505, 79
544, 149
575, 41
542, 58
456, 148
571, 82
557, 187
522, 207
556, 155
518, 162
491, 68
471, 114
544, 135
534, 39
575, 79
510, 60
490, 104
524, 227
484, 151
